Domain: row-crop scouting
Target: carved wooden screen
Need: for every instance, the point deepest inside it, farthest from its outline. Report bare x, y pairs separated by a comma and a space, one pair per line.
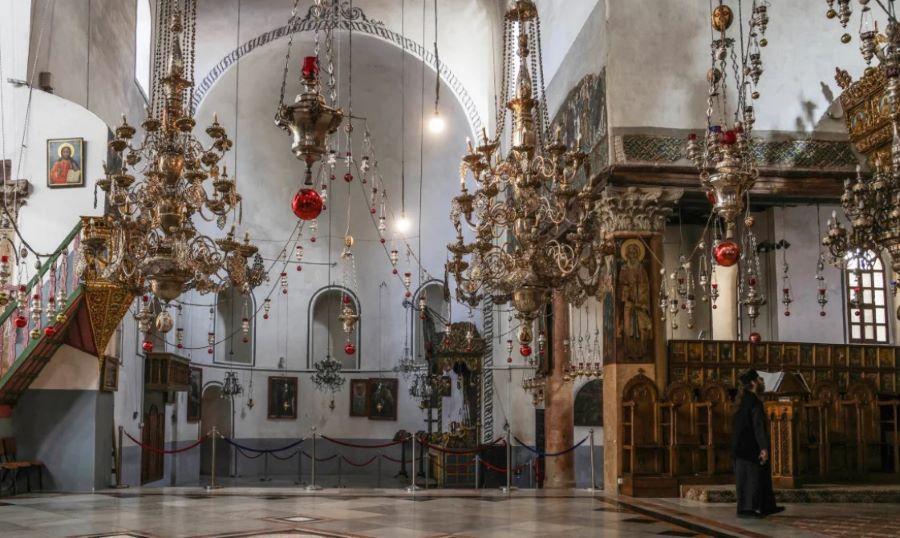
153, 435
866, 299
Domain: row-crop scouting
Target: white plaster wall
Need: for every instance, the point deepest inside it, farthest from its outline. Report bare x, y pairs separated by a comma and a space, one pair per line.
69, 369
660, 56
561, 23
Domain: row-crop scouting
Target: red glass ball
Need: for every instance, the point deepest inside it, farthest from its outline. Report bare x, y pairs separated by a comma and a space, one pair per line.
787, 313
349, 348
307, 204
395, 271
755, 337
372, 210
21, 321
729, 137
147, 345
408, 294
727, 253
822, 313
348, 177
346, 299
711, 196
299, 268
209, 350
265, 316
312, 239
180, 346
525, 350
50, 331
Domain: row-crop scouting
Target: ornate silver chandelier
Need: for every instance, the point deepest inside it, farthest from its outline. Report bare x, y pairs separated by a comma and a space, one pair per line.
160, 192
533, 227
870, 202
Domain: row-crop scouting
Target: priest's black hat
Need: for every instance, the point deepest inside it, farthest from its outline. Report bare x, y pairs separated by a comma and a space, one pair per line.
748, 377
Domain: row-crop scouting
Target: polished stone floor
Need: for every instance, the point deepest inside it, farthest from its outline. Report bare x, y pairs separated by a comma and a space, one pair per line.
290, 512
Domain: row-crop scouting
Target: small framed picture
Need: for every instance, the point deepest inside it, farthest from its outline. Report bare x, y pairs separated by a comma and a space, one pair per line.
65, 162
382, 399
283, 397
359, 397
194, 396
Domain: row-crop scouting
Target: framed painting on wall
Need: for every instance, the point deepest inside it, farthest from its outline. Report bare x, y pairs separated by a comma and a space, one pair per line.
65, 162
359, 397
282, 397
194, 394
382, 399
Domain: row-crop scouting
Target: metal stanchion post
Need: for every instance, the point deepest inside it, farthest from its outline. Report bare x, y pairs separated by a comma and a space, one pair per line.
312, 478
119, 484
378, 475
531, 473
427, 457
340, 470
593, 486
299, 467
212, 460
477, 471
265, 477
412, 487
508, 487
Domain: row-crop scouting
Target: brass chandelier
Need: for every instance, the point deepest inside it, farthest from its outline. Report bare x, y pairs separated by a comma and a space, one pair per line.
870, 202
532, 226
158, 194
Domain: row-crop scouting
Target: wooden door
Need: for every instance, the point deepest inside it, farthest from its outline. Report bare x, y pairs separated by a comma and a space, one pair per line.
153, 435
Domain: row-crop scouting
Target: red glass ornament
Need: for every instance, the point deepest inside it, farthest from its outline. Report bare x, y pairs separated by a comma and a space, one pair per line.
372, 210
346, 299
21, 321
755, 337
265, 316
245, 339
50, 331
525, 350
299, 268
179, 346
751, 281
822, 313
711, 196
312, 239
787, 313
729, 137
349, 348
307, 204
209, 350
395, 271
382, 240
727, 253
310, 68
147, 345
408, 294
692, 136
348, 177
508, 359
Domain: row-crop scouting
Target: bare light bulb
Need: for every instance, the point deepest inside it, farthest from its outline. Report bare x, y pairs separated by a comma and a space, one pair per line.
403, 224
436, 123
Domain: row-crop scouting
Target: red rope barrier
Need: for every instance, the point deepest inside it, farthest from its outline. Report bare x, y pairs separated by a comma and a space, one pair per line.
320, 460
462, 451
503, 469
373, 458
353, 445
162, 451
395, 460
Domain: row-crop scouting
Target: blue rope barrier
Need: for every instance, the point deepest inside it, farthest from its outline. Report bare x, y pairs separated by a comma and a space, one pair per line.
262, 451
550, 454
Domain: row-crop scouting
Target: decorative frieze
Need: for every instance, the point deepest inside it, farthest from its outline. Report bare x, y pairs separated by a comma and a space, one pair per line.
633, 209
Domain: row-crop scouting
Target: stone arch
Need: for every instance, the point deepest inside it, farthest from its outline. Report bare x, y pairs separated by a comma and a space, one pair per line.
323, 293
356, 21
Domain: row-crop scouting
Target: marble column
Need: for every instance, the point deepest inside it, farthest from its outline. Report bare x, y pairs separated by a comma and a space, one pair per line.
559, 414
634, 220
15, 193
725, 313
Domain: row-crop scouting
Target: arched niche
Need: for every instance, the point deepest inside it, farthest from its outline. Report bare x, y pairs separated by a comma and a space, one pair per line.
232, 308
432, 320
589, 404
326, 334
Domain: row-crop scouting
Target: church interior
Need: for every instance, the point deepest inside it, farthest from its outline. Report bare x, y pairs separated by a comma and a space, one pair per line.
447, 268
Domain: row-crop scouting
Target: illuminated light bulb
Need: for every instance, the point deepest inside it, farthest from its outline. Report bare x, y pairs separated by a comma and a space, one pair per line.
403, 224
436, 123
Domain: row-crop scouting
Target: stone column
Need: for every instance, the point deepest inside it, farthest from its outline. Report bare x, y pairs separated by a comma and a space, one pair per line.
559, 414
15, 193
634, 333
725, 313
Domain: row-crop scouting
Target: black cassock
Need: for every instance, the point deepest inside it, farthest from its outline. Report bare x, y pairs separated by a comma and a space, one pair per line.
750, 434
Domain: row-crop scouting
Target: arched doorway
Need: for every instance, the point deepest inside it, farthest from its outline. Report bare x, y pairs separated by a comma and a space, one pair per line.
215, 411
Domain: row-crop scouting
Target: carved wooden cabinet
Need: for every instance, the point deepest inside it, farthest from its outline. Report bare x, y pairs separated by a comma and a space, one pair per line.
167, 372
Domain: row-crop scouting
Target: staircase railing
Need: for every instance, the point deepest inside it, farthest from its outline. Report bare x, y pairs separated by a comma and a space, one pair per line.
21, 327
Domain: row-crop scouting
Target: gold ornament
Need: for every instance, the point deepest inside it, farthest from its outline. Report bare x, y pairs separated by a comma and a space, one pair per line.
722, 18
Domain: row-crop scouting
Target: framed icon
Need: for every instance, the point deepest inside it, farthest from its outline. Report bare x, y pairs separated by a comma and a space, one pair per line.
65, 162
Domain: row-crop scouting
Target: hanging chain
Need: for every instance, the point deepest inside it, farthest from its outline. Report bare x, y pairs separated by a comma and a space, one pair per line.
287, 56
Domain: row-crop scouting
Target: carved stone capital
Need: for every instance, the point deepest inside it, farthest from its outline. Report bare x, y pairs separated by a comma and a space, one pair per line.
15, 193
633, 209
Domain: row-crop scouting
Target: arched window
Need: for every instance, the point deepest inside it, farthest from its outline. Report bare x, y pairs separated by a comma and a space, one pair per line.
326, 334
437, 312
232, 308
143, 37
866, 298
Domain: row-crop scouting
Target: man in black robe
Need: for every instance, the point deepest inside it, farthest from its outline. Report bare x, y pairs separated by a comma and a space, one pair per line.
750, 449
